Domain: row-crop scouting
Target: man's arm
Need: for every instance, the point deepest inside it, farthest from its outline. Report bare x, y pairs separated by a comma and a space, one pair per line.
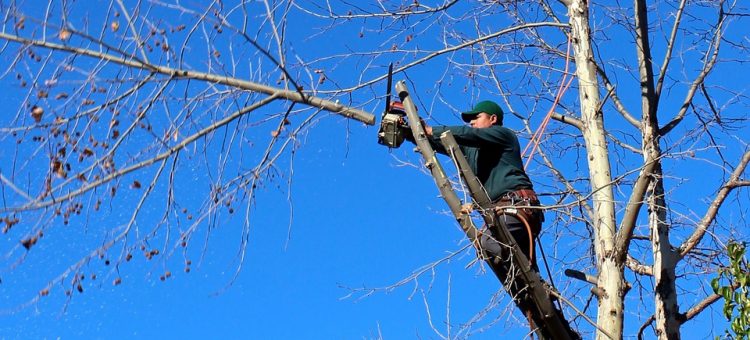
434, 140
472, 137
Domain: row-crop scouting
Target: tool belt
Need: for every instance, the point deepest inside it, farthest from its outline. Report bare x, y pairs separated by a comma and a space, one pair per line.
513, 202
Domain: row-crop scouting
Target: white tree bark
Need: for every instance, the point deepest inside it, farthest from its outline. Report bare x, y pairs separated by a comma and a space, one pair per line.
665, 297
611, 283
665, 260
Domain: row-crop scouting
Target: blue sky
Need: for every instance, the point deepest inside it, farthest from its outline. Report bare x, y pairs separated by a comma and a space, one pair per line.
362, 217
345, 235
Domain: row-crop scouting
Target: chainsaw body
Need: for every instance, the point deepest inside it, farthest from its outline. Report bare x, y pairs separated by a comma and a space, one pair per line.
391, 132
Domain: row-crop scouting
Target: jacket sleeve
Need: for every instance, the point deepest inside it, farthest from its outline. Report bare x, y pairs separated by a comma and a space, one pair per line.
471, 137
434, 141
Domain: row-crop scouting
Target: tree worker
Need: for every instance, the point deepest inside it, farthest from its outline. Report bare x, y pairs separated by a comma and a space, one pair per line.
493, 152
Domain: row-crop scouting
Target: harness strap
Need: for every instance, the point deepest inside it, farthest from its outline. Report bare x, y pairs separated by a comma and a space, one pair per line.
520, 217
520, 194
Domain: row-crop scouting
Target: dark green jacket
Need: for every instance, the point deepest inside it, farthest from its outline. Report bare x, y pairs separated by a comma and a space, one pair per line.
494, 155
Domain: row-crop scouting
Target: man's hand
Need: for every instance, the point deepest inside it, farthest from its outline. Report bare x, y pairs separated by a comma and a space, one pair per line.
427, 128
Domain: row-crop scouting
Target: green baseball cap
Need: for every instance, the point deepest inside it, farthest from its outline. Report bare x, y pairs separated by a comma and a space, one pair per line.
487, 106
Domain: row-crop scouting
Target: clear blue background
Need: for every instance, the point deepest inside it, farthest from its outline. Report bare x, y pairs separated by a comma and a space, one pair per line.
362, 219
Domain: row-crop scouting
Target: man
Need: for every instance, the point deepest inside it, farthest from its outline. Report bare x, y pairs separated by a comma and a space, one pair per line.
494, 154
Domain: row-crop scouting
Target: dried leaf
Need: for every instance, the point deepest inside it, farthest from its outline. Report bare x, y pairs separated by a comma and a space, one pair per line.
29, 242
64, 34
115, 26
58, 169
61, 172
9, 223
36, 113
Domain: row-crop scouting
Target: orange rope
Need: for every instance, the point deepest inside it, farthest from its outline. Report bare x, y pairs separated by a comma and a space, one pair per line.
564, 85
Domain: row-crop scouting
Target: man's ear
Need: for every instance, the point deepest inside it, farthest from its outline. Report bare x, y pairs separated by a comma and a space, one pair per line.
493, 119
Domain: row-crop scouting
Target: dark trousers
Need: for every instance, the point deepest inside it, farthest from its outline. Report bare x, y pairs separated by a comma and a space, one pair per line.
500, 257
520, 234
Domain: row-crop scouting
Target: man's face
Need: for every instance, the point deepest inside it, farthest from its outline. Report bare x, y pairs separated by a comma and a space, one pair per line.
483, 120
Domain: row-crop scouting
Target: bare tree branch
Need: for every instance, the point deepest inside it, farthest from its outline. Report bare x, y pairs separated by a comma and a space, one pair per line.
616, 99
711, 57
713, 208
633, 208
295, 96
119, 173
638, 267
570, 120
386, 13
670, 46
456, 48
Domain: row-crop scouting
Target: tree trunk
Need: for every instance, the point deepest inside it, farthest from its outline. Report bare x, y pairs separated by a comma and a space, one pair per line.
611, 283
666, 308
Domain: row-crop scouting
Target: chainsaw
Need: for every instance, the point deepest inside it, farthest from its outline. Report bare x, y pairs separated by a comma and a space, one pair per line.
393, 121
